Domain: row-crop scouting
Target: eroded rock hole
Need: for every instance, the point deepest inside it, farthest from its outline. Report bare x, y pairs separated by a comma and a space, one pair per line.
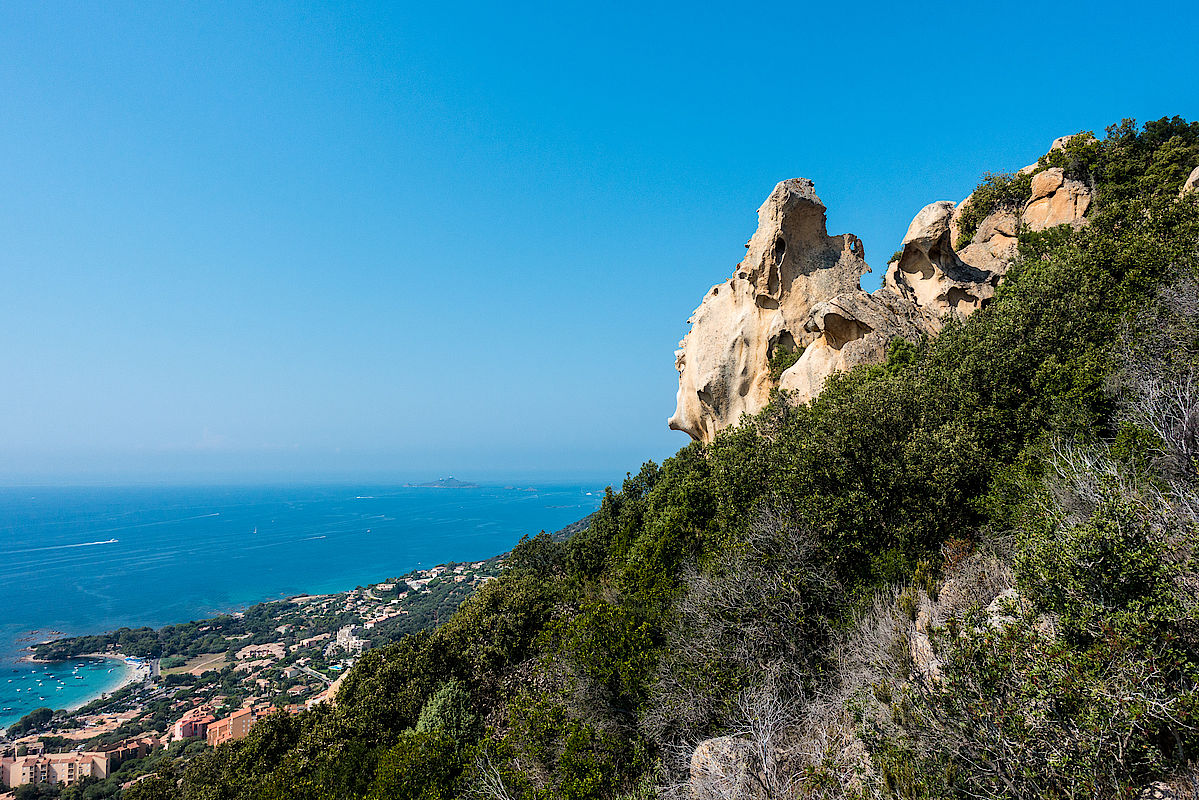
961, 300
784, 341
782, 353
766, 301
840, 331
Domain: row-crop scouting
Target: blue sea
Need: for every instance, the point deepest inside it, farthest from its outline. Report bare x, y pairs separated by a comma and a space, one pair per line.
87, 560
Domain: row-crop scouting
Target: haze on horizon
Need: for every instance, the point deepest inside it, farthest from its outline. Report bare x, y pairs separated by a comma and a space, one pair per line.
310, 241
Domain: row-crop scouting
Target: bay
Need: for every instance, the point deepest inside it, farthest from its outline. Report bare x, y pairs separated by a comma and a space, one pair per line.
79, 560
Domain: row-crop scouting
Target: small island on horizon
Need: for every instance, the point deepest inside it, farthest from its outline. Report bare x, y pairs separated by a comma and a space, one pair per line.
444, 483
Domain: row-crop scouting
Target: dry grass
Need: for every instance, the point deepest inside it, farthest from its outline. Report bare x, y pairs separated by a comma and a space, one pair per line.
199, 665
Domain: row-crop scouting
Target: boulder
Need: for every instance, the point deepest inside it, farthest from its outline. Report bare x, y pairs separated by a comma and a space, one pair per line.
1160, 791
791, 265
725, 768
994, 244
1192, 182
1055, 200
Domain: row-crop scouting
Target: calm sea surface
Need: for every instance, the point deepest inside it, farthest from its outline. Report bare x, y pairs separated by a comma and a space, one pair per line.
87, 560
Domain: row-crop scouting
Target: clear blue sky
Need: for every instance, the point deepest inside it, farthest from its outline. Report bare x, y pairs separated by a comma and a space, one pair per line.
352, 240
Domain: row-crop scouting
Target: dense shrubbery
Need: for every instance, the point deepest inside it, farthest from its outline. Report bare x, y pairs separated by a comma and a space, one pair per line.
714, 593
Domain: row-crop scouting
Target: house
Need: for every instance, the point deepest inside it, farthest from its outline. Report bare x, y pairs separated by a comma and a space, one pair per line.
53, 768
231, 728
274, 650
237, 725
122, 751
347, 641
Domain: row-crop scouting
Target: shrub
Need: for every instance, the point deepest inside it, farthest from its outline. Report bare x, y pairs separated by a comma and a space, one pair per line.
450, 712
421, 766
996, 191
782, 359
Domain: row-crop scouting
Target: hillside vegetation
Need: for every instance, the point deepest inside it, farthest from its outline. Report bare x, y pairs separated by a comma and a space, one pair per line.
966, 572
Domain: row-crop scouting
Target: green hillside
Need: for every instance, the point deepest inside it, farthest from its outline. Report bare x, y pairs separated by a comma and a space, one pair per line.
1016, 496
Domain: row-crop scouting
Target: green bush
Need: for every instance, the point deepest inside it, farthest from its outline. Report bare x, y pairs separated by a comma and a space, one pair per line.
421, 766
996, 191
782, 359
450, 712
31, 721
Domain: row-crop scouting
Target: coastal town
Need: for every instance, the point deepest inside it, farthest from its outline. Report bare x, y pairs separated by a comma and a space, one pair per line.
204, 683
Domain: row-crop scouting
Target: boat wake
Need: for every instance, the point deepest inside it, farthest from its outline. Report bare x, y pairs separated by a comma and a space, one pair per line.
64, 546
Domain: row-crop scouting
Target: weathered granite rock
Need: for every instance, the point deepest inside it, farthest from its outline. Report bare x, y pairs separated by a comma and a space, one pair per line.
1191, 184
1055, 200
799, 287
930, 275
1158, 791
850, 329
791, 265
725, 768
994, 244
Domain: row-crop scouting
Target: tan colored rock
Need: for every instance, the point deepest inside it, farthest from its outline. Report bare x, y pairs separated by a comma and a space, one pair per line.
994, 244
1192, 182
1055, 200
725, 768
1158, 791
849, 330
1060, 142
924, 657
791, 265
1182, 786
930, 275
799, 287
955, 231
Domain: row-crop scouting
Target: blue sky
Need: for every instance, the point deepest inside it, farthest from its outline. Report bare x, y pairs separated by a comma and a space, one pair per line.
302, 241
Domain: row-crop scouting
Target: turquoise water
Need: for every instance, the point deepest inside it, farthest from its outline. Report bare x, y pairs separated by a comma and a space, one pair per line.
87, 560
68, 684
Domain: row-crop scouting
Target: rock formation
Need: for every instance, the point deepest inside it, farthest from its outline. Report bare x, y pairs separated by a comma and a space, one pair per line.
1192, 182
791, 265
798, 291
1056, 200
931, 276
850, 329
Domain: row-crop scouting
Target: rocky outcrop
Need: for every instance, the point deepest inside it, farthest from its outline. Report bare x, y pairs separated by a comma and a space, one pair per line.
994, 244
850, 329
931, 276
798, 291
1056, 200
791, 266
1192, 182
